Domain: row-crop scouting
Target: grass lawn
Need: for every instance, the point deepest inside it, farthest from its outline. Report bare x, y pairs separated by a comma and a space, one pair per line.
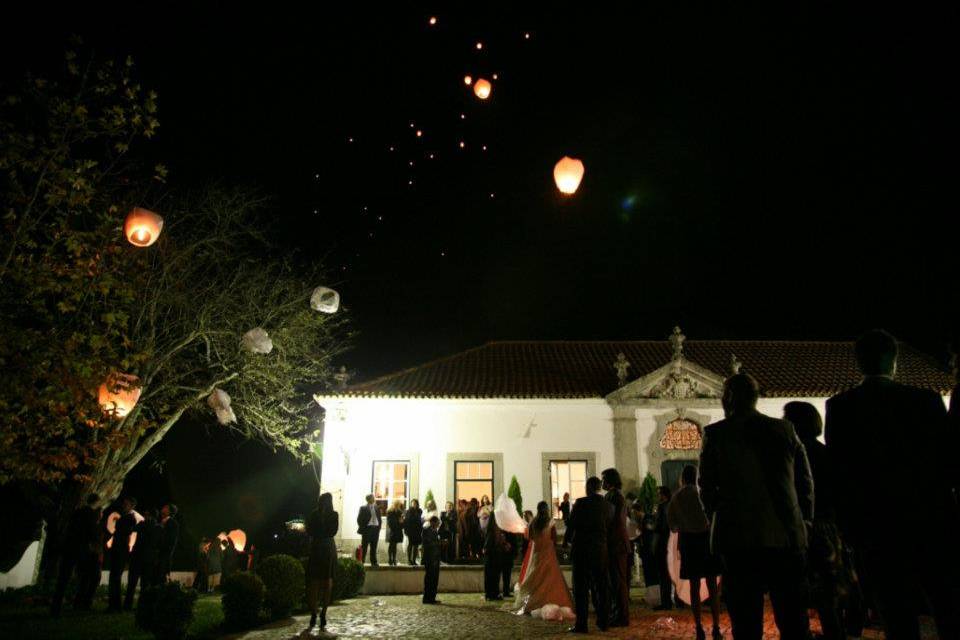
29, 622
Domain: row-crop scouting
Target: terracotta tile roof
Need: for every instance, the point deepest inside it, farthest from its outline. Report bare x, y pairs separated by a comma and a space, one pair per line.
585, 369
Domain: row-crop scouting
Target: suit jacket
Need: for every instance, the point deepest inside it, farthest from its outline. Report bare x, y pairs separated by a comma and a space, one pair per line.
590, 521
171, 534
755, 483
431, 546
363, 519
618, 542
871, 431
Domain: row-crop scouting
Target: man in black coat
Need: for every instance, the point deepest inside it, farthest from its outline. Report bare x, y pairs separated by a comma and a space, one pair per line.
757, 490
871, 431
431, 561
81, 551
120, 550
618, 549
590, 520
168, 540
368, 526
495, 547
145, 557
660, 545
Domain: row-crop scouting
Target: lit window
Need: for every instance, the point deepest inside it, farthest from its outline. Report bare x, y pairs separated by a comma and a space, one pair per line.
474, 479
681, 435
567, 476
391, 481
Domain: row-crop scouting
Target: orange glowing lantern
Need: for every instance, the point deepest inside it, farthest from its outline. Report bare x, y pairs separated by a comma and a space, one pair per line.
433, 20
468, 80
567, 174
237, 535
142, 227
119, 394
482, 88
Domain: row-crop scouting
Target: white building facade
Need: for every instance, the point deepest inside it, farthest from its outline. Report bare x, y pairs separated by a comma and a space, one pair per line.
554, 413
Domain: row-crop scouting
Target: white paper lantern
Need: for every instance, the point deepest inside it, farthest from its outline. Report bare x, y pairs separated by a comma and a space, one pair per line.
219, 401
325, 299
257, 341
568, 173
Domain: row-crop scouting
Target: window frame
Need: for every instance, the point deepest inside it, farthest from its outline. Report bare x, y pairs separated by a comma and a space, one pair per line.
457, 479
408, 482
555, 508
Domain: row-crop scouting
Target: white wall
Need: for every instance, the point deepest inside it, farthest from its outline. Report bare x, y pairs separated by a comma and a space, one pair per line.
24, 573
424, 431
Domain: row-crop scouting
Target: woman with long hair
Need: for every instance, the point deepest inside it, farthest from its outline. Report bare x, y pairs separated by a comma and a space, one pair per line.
413, 527
322, 525
541, 581
394, 531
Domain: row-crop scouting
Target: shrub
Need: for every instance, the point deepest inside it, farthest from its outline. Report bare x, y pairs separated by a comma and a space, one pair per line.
429, 499
648, 493
514, 493
348, 579
242, 600
166, 610
283, 577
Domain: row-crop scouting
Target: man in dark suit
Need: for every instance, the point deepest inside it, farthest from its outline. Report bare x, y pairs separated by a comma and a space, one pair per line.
145, 557
81, 552
871, 431
757, 489
618, 549
590, 520
168, 539
431, 561
368, 526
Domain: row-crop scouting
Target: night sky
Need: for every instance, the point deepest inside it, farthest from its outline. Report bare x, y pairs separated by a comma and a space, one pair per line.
747, 175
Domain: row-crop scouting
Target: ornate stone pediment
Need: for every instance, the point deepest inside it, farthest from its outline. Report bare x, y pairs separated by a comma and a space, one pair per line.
679, 379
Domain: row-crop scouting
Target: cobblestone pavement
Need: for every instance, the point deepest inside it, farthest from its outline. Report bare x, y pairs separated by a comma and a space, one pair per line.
463, 616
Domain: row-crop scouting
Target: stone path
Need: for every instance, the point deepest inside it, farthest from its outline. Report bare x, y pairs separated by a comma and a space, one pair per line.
463, 616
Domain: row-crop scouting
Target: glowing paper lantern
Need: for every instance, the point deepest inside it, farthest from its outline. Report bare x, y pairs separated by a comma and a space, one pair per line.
219, 401
239, 539
257, 341
433, 20
142, 227
468, 80
325, 299
119, 394
482, 88
567, 174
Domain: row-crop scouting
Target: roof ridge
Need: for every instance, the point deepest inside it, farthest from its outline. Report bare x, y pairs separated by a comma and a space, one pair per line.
422, 365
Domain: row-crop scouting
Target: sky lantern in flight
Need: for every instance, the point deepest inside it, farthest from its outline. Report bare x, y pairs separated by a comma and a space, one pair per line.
142, 227
237, 535
567, 174
325, 300
482, 88
119, 394
468, 80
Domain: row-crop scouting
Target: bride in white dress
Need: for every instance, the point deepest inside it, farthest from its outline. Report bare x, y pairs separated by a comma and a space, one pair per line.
542, 590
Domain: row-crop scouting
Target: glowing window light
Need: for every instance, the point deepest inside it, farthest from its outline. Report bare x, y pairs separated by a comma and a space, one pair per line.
681, 435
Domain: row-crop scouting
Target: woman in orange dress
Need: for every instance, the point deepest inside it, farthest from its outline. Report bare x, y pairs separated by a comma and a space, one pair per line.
541, 582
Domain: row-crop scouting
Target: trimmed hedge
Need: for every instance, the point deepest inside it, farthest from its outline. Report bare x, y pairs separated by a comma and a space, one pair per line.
348, 579
283, 577
243, 594
166, 610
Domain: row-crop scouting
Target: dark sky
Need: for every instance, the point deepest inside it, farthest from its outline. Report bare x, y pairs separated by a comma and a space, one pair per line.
748, 175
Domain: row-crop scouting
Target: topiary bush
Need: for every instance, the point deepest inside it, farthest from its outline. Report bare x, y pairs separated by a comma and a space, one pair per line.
283, 578
428, 499
166, 610
347, 579
243, 594
514, 493
648, 493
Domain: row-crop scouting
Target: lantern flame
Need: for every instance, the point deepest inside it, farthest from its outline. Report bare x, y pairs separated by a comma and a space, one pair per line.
482, 88
119, 394
142, 227
567, 174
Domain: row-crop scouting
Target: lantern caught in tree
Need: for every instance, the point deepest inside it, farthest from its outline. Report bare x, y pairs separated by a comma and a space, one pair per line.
567, 174
482, 88
325, 299
219, 401
119, 394
142, 227
257, 340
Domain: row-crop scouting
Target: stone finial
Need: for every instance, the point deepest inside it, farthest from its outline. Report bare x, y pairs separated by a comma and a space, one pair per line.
676, 341
621, 364
342, 377
734, 365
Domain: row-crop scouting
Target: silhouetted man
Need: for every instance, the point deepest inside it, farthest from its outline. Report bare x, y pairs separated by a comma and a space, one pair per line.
868, 432
81, 551
660, 546
431, 561
145, 557
590, 520
757, 490
168, 539
368, 526
120, 550
618, 550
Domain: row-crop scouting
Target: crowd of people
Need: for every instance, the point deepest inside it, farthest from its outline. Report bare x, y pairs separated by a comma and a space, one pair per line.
770, 509
142, 545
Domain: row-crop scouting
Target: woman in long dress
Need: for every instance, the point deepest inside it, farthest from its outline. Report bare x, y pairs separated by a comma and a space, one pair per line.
541, 582
322, 526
